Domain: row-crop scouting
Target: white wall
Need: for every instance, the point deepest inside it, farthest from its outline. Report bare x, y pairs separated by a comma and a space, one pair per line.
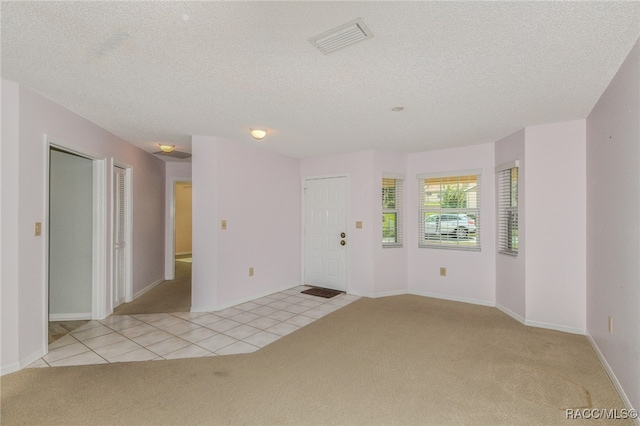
510, 270
613, 227
24, 283
555, 226
175, 172
258, 193
471, 275
362, 197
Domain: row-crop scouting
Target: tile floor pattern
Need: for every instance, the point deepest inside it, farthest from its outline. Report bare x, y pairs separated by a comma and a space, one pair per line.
243, 328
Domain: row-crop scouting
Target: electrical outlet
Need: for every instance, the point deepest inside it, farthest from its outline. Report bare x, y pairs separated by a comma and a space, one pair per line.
223, 224
443, 271
251, 271
610, 325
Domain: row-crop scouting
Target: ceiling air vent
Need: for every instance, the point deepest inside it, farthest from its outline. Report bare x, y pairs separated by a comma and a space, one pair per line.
343, 36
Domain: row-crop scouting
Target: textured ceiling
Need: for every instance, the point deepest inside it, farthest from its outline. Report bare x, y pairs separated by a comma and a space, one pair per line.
465, 72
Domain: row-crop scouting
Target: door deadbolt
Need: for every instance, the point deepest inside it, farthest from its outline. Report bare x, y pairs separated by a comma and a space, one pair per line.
343, 242
342, 235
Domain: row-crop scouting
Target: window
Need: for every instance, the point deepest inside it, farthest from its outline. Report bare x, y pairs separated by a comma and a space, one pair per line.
449, 211
508, 209
391, 212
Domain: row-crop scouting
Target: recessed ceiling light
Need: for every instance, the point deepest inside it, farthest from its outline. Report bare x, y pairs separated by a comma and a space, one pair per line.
397, 109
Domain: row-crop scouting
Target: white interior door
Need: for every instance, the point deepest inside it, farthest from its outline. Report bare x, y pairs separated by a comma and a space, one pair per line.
119, 236
325, 239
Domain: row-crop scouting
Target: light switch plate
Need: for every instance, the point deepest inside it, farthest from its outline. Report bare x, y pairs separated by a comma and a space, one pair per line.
359, 224
223, 225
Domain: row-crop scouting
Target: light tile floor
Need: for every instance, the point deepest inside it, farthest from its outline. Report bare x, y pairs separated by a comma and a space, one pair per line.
243, 328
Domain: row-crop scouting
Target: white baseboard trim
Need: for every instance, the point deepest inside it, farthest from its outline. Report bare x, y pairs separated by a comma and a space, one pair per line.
25, 362
612, 376
71, 317
146, 289
512, 314
242, 300
555, 327
452, 298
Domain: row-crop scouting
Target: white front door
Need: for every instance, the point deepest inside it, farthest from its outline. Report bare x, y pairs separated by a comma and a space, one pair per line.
119, 236
325, 239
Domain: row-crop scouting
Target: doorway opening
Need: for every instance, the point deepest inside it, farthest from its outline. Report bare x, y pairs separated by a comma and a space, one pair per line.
75, 237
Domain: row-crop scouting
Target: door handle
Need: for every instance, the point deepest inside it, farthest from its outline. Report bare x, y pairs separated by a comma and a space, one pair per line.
343, 242
342, 235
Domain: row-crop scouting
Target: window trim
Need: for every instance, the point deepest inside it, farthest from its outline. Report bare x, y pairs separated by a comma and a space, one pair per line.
422, 241
398, 210
507, 215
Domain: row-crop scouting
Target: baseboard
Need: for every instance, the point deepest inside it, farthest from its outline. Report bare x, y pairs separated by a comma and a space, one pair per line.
556, 327
146, 289
512, 314
612, 376
70, 317
239, 301
452, 298
25, 362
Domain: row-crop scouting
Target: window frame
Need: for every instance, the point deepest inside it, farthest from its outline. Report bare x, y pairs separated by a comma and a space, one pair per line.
468, 240
508, 181
397, 210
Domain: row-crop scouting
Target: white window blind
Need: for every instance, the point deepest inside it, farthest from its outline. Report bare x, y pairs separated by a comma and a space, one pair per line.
391, 212
449, 211
508, 211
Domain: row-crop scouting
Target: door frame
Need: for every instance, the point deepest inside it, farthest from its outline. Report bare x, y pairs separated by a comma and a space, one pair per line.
347, 177
99, 236
170, 244
128, 219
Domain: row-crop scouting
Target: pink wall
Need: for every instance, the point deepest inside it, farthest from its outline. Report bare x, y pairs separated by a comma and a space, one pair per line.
555, 226
390, 264
510, 270
9, 235
613, 227
258, 193
470, 275
358, 167
38, 116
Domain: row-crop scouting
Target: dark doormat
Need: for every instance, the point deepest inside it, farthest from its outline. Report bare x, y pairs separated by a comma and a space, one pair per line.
322, 292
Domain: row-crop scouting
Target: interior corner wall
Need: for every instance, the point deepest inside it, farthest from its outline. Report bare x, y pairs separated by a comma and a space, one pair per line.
175, 171
9, 235
30, 117
471, 275
510, 270
613, 228
258, 194
555, 226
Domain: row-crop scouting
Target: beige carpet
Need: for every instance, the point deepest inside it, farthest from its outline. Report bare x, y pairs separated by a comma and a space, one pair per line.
168, 296
396, 360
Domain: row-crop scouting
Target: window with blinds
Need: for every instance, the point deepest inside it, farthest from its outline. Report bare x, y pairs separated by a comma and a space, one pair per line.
449, 211
391, 212
508, 210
